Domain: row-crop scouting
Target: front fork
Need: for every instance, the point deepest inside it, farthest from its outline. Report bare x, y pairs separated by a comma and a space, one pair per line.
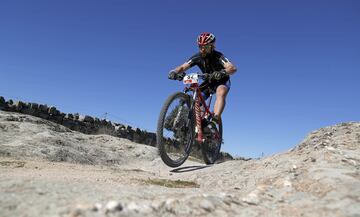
198, 128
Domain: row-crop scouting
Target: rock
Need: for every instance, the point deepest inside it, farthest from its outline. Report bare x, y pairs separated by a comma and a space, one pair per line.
330, 148
97, 120
128, 128
157, 204
53, 111
89, 119
43, 115
113, 206
76, 116
207, 205
287, 183
80, 210
29, 110
97, 207
81, 118
252, 199
43, 108
133, 207
138, 208
69, 116
10, 102
34, 106
3, 104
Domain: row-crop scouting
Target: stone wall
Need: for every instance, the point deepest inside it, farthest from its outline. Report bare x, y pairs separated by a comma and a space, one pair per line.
87, 124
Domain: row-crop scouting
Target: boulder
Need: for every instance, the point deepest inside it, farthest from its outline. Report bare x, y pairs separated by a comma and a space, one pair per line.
69, 123
81, 118
34, 106
53, 111
97, 121
2, 102
18, 106
43, 108
43, 115
69, 116
89, 119
10, 102
76, 116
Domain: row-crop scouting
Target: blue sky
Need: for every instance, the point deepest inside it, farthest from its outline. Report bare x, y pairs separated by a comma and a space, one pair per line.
298, 61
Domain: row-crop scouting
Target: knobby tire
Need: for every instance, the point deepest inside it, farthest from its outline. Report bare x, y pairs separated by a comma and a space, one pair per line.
161, 141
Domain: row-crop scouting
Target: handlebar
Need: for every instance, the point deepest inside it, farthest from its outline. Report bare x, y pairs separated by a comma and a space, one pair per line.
203, 76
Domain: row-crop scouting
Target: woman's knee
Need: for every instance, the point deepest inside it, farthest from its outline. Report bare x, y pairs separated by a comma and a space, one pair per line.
221, 91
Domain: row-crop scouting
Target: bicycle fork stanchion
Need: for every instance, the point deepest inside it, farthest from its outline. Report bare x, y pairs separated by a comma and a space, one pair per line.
177, 116
198, 128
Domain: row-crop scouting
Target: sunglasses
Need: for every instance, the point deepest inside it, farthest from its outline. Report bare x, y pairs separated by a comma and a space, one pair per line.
206, 47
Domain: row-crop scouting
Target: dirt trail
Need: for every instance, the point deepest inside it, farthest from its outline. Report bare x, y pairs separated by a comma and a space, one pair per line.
48, 170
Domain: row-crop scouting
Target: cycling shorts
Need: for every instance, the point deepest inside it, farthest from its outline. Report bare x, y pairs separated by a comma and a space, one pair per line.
210, 88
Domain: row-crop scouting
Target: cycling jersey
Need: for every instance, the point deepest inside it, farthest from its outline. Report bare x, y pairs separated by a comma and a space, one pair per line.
208, 64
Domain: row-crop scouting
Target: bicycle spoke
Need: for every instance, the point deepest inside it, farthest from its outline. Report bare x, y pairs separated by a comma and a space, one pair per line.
175, 130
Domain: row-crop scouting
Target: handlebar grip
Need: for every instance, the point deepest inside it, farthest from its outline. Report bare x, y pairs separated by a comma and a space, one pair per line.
180, 76
205, 76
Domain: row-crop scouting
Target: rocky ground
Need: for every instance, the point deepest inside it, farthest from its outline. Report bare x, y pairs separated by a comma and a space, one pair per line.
49, 170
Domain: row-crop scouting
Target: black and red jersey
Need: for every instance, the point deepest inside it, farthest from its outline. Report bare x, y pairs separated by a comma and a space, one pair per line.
210, 63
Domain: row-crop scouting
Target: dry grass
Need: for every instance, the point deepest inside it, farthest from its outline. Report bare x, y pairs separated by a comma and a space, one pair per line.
13, 164
171, 183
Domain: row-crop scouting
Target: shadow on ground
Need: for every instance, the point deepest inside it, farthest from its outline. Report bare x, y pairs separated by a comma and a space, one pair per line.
188, 169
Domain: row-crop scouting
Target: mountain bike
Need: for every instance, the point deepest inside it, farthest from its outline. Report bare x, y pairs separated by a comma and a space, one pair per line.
185, 118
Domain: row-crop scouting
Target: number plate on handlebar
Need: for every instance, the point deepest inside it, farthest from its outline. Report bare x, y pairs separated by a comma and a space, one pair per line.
192, 78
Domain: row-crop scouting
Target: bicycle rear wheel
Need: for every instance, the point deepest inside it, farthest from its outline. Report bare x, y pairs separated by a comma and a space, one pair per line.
212, 145
175, 129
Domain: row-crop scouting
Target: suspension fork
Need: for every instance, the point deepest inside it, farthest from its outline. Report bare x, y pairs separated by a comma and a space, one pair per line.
198, 128
178, 115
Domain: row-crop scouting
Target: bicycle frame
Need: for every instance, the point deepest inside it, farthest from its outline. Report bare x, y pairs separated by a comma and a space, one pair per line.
197, 99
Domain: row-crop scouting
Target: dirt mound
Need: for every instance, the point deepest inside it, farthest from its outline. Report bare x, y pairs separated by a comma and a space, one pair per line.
24, 136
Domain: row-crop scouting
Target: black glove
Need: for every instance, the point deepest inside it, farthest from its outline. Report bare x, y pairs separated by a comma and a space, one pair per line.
206, 76
180, 76
217, 75
172, 75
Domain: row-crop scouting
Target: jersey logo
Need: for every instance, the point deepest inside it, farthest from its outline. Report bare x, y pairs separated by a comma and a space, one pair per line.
224, 60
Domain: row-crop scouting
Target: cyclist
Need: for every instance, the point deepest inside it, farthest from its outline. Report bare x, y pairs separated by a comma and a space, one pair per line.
214, 63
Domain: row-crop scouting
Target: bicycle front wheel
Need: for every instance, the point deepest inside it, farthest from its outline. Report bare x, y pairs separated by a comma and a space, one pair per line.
175, 129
